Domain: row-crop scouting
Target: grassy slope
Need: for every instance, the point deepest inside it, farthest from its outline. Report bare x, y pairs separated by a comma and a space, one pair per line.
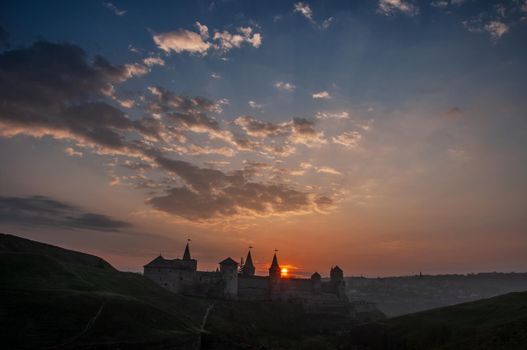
494, 323
48, 296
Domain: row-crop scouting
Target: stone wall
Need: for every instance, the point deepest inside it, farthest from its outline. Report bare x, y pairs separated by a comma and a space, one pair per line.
177, 281
253, 288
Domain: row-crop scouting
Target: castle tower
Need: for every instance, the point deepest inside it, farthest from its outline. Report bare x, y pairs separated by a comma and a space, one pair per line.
337, 281
186, 254
187, 261
316, 282
229, 276
248, 269
274, 279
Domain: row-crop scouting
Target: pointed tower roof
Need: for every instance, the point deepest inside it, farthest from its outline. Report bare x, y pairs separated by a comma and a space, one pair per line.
274, 264
186, 254
316, 276
249, 260
337, 268
248, 268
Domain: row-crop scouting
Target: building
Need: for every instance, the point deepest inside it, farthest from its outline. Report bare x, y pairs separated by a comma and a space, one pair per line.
235, 282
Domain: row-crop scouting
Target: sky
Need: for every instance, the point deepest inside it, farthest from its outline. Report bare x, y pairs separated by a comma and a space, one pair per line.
388, 137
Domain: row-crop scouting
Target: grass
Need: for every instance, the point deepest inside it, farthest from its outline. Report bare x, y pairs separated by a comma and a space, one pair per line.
50, 295
495, 323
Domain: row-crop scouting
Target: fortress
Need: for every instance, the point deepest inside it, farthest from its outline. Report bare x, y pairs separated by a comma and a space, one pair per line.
232, 281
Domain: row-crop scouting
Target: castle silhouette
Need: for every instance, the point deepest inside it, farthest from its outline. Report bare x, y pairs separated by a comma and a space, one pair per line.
232, 281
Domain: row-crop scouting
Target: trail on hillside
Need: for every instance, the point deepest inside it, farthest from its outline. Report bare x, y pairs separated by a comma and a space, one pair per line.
203, 323
88, 326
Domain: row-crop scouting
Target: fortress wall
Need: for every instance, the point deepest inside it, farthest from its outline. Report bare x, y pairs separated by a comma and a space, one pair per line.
174, 280
296, 284
327, 287
253, 288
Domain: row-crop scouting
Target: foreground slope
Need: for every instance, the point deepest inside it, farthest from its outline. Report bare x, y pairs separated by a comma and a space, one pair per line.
56, 297
495, 323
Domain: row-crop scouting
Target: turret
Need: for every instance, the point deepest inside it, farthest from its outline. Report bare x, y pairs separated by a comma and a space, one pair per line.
229, 276
337, 282
186, 254
274, 279
316, 282
187, 261
248, 268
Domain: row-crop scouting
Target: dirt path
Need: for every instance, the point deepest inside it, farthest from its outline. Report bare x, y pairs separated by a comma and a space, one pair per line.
203, 323
88, 326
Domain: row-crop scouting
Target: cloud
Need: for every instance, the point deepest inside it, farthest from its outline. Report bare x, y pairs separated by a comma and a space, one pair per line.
479, 24
187, 113
496, 29
332, 115
182, 40
328, 170
71, 152
209, 194
305, 10
349, 139
298, 130
225, 41
255, 105
322, 95
114, 9
391, 7
45, 211
154, 61
439, 4
53, 89
37, 100
260, 129
203, 30
284, 86
215, 75
304, 132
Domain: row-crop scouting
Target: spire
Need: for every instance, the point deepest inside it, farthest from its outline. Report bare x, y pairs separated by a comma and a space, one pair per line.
186, 255
274, 264
248, 268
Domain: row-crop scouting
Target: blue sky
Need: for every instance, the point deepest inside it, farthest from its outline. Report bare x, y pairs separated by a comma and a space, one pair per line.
381, 124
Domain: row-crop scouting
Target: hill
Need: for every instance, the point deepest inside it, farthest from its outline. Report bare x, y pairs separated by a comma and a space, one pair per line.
396, 296
56, 298
495, 323
53, 297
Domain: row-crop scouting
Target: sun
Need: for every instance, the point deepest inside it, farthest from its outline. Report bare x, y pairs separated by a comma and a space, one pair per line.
284, 271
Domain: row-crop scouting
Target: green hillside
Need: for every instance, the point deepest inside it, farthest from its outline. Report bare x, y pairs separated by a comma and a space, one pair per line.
494, 323
52, 296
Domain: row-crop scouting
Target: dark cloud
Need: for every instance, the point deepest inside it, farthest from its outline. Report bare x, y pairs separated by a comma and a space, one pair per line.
298, 130
210, 193
54, 89
45, 211
188, 113
257, 128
